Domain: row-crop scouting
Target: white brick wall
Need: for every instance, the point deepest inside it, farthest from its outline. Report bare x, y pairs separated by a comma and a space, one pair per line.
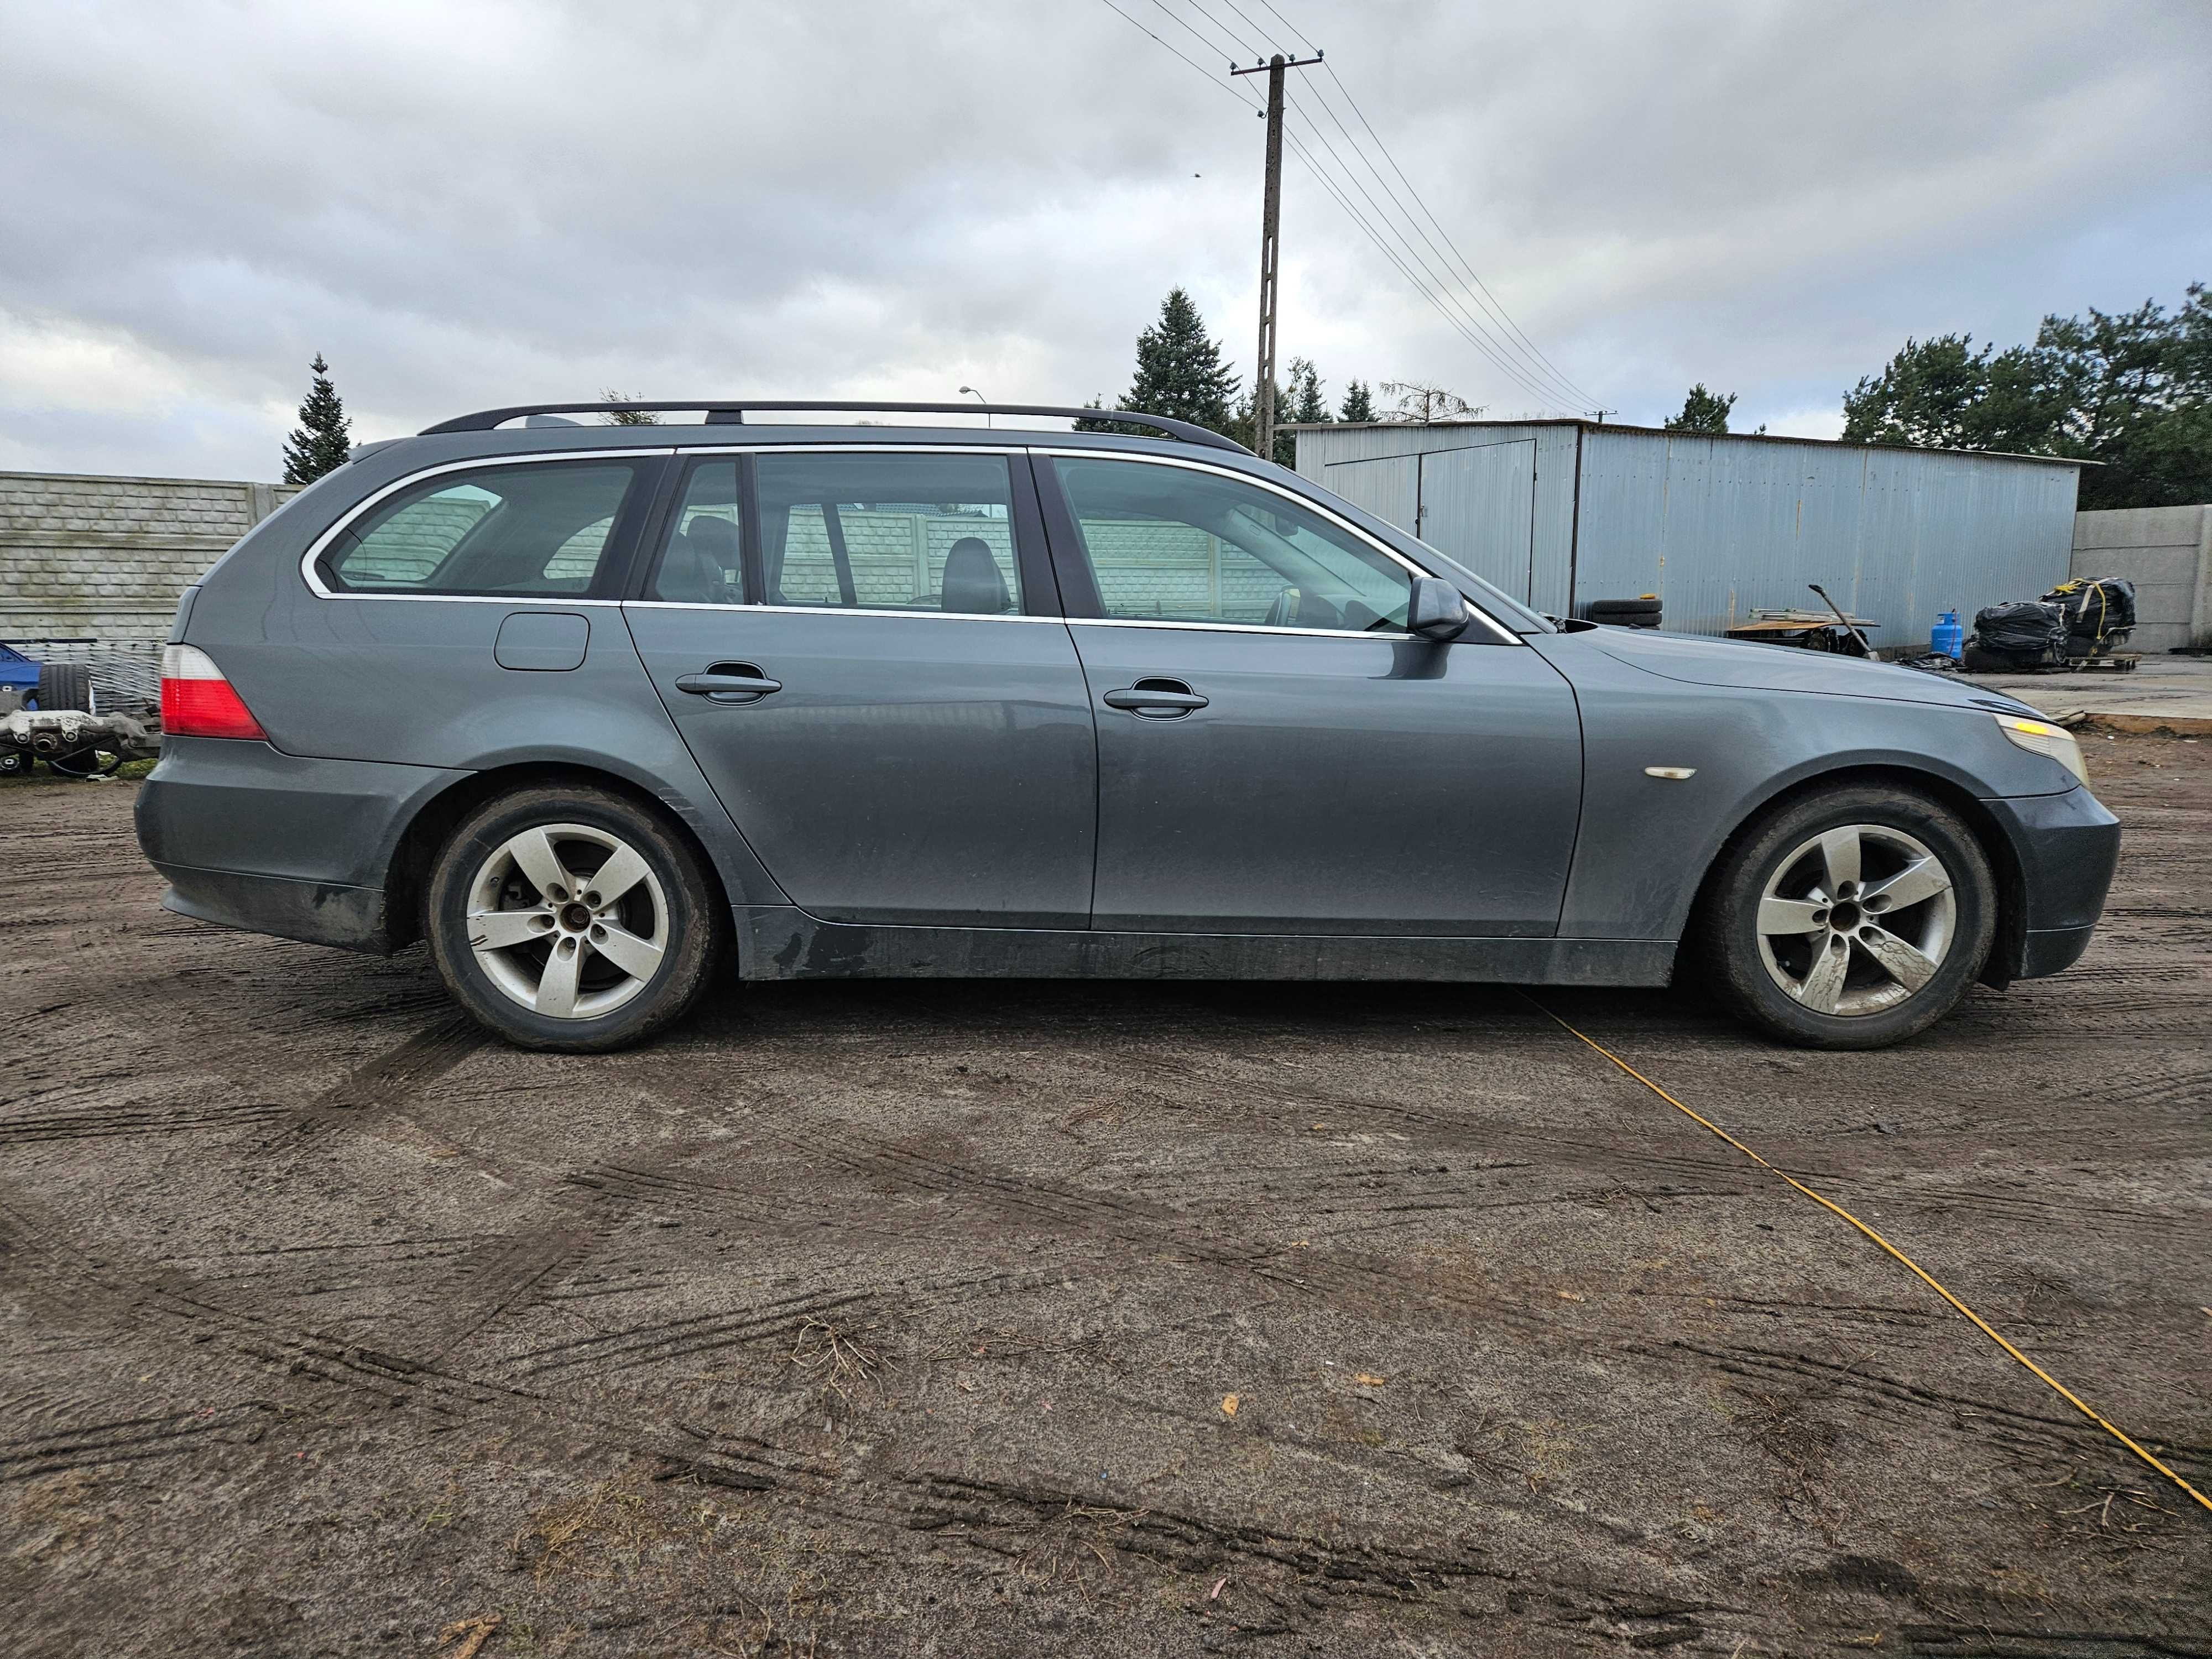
106, 558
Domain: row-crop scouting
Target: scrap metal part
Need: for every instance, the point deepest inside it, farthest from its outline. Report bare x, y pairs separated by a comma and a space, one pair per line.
68, 732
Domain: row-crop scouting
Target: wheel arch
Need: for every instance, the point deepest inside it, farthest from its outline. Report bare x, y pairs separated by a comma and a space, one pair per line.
2006, 951
407, 873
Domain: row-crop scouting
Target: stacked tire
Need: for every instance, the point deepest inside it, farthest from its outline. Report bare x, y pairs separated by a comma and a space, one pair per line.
1641, 613
65, 685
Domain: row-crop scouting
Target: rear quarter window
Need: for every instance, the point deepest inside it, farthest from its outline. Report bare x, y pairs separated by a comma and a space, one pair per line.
539, 530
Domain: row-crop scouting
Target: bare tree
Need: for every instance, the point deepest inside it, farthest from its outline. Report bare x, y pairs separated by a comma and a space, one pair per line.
1427, 405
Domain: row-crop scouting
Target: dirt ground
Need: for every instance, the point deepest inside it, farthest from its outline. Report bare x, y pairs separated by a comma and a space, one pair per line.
967, 1320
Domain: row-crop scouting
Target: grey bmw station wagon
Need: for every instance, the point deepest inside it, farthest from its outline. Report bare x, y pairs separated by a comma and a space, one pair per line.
596, 710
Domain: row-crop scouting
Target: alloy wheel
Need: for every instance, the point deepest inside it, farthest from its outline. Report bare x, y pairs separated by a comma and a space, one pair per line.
567, 920
1856, 920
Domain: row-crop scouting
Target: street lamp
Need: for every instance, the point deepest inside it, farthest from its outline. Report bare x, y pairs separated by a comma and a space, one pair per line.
970, 392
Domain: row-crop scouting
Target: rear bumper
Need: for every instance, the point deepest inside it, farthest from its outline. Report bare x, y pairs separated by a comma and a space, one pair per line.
321, 913
2066, 847
277, 844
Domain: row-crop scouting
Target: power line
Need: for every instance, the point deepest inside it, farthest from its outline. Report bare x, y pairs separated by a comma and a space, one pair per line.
1515, 339
1441, 231
1497, 352
1323, 176
1537, 366
1531, 381
1353, 213
1532, 360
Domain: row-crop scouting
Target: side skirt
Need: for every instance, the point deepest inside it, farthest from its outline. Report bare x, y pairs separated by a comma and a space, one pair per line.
783, 942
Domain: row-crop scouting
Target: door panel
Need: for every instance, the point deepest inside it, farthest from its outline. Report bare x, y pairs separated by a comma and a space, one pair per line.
1477, 506
917, 769
1330, 785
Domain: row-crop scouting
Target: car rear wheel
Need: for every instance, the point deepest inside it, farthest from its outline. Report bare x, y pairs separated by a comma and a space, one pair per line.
1852, 918
572, 919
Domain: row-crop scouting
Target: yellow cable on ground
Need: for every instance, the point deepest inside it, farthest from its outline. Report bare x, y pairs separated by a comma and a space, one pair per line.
1981, 1324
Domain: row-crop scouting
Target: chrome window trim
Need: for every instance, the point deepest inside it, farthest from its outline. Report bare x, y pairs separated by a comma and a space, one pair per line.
481, 463
849, 448
1399, 638
1505, 635
835, 610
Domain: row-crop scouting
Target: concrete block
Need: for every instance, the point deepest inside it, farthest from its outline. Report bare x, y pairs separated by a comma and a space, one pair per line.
2140, 526
2140, 565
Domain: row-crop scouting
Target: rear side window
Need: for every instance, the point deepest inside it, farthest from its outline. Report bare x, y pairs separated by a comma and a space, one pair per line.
701, 562
543, 530
889, 531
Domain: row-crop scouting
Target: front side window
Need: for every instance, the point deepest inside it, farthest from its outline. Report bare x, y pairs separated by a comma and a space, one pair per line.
889, 532
701, 563
541, 529
1171, 544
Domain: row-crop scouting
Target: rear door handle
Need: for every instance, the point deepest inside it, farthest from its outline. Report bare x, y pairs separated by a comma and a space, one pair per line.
1155, 699
729, 681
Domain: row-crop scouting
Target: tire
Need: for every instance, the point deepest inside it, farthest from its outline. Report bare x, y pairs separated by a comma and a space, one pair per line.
1797, 857
669, 917
65, 685
1600, 609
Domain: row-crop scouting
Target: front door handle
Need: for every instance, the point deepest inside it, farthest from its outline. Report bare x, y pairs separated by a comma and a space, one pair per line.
729, 681
1155, 699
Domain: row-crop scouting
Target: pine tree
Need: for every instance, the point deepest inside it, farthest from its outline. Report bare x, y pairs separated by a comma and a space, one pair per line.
323, 441
1307, 406
1358, 402
1179, 370
1703, 411
1098, 402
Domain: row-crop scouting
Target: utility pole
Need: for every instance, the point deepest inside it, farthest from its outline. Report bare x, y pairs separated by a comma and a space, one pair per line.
1271, 213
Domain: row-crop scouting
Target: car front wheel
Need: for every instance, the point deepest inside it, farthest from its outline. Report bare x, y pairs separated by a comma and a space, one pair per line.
572, 919
1851, 918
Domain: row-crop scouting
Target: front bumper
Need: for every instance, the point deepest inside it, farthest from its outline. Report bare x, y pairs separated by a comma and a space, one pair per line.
275, 844
2065, 848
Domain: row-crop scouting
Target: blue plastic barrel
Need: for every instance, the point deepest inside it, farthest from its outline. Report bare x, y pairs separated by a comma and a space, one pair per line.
1947, 639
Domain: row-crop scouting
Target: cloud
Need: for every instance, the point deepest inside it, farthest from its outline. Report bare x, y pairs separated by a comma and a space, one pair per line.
474, 203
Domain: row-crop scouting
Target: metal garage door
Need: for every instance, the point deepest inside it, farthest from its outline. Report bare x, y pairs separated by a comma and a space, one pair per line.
1390, 487
1477, 504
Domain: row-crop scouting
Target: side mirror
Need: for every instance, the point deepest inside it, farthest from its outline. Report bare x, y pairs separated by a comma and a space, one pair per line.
1436, 610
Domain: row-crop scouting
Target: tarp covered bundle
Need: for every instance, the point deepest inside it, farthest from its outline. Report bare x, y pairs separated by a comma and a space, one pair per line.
2024, 629
2095, 606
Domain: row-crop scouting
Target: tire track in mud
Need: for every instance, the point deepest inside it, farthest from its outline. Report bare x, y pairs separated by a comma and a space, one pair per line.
385, 1085
1152, 1231
103, 1123
2029, 1435
129, 1440
37, 1261
996, 1518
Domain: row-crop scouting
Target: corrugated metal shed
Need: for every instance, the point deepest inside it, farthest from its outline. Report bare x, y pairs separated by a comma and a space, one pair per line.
1560, 513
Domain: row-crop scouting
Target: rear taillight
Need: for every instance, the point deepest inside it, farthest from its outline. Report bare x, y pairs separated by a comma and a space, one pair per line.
197, 702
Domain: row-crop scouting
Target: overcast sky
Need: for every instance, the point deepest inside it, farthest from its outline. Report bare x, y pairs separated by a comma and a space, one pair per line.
470, 204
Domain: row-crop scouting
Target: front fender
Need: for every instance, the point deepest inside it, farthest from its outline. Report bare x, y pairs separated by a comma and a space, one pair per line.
1645, 843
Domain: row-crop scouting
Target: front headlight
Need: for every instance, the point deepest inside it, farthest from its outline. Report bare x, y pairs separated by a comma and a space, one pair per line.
2042, 738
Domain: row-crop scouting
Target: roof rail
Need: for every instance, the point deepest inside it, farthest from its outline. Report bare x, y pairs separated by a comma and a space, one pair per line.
732, 412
